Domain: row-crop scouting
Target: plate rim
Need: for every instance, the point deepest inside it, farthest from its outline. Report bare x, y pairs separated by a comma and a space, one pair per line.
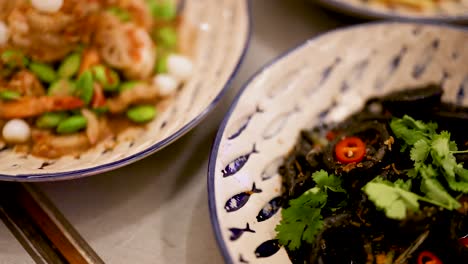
76, 174
361, 12
222, 128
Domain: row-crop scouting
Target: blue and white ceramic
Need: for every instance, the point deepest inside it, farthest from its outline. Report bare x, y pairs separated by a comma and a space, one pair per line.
222, 32
325, 79
452, 11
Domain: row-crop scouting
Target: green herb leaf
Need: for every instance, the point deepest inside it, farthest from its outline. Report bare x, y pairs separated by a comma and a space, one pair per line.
325, 181
302, 221
394, 199
411, 131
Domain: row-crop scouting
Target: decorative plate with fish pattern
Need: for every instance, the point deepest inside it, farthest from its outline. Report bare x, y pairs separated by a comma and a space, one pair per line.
223, 28
298, 91
451, 11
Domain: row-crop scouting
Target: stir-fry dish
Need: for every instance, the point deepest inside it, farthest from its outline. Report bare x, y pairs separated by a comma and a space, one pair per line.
417, 5
386, 185
76, 72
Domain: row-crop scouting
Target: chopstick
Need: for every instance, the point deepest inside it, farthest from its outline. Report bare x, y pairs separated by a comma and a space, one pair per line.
40, 228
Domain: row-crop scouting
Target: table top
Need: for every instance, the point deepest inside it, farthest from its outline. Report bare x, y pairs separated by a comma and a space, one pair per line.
156, 210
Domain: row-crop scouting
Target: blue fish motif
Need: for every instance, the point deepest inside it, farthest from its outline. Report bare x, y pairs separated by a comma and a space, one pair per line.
355, 75
236, 165
426, 58
277, 124
326, 73
244, 123
323, 114
461, 90
390, 69
270, 209
281, 87
242, 259
239, 200
267, 248
236, 233
271, 169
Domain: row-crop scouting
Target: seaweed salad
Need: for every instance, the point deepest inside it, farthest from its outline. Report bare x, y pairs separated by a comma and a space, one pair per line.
386, 185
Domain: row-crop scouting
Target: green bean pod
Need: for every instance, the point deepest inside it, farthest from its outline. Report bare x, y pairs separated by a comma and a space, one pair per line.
70, 65
43, 71
141, 113
9, 95
50, 120
85, 86
72, 124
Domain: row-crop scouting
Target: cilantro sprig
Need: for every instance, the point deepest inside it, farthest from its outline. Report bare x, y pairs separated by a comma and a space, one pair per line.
434, 165
302, 220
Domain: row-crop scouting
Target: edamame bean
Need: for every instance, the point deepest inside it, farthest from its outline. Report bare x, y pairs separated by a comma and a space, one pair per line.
72, 124
62, 87
127, 85
161, 64
108, 78
50, 120
164, 10
141, 113
43, 71
84, 86
70, 66
9, 95
167, 37
14, 58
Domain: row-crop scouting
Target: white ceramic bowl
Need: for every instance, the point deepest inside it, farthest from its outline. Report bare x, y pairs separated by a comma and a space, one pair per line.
297, 91
447, 11
223, 28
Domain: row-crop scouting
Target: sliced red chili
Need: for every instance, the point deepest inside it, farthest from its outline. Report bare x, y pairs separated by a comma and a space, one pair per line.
427, 257
330, 135
464, 241
350, 150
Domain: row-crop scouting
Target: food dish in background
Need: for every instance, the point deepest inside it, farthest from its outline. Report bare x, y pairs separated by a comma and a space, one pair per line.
77, 73
148, 95
322, 81
451, 11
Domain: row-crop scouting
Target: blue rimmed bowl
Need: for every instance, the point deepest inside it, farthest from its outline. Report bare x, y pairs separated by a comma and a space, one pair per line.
322, 80
445, 11
223, 31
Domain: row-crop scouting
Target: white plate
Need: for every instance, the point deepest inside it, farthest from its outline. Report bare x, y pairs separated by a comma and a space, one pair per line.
301, 89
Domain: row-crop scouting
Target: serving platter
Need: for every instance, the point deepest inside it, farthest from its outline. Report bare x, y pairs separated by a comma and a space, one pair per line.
446, 11
301, 89
222, 34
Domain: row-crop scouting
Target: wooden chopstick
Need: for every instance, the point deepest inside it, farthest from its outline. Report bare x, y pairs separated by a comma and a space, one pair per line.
40, 228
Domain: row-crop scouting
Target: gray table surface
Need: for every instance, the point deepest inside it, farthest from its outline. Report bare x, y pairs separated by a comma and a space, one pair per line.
156, 210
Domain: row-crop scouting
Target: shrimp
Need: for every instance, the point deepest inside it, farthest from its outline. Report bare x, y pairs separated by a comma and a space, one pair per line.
49, 37
34, 106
